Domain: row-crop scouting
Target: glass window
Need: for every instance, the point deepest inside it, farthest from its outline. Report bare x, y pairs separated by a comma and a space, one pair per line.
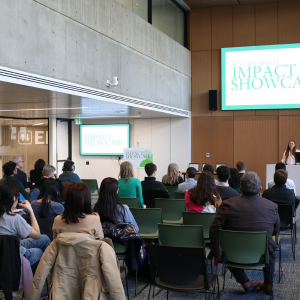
25, 138
139, 7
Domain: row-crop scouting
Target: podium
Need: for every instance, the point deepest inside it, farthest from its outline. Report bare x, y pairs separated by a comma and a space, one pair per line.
294, 174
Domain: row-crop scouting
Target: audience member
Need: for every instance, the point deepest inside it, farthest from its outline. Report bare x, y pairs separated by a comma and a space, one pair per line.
152, 188
78, 216
129, 187
289, 183
108, 206
190, 182
22, 177
223, 188
37, 172
241, 167
279, 193
203, 198
248, 212
173, 178
32, 243
210, 168
10, 169
68, 174
47, 207
235, 180
48, 172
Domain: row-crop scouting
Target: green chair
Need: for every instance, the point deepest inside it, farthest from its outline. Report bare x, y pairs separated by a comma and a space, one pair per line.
195, 218
92, 184
244, 250
171, 210
131, 202
172, 190
147, 220
179, 195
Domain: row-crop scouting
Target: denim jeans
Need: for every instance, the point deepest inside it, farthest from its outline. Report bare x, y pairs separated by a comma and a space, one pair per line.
33, 249
34, 194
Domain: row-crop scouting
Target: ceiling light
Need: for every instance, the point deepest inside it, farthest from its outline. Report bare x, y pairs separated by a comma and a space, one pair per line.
37, 124
33, 109
8, 119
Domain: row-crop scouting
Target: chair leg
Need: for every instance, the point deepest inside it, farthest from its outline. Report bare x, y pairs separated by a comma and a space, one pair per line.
280, 267
149, 292
271, 286
218, 288
224, 279
153, 291
135, 282
126, 280
167, 295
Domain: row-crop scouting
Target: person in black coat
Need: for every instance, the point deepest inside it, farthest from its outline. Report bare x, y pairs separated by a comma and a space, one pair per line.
279, 193
37, 172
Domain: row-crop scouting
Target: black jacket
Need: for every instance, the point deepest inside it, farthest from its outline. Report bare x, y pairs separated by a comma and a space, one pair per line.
35, 175
279, 194
10, 263
226, 192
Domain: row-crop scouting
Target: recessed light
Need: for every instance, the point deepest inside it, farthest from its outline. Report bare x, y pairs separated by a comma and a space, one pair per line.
34, 109
37, 124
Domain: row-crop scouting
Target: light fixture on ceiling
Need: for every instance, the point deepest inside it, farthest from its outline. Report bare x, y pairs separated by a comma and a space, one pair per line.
119, 111
113, 82
34, 109
37, 124
7, 119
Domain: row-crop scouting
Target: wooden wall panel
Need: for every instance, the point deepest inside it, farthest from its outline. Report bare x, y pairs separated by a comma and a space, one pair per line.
288, 22
240, 113
214, 136
289, 112
221, 27
243, 25
266, 23
200, 29
288, 130
256, 142
201, 82
267, 112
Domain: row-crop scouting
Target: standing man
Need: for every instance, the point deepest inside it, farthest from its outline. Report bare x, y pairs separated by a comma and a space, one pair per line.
22, 177
248, 212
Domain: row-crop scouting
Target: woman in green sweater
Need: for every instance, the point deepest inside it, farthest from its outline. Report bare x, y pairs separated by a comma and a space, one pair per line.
129, 187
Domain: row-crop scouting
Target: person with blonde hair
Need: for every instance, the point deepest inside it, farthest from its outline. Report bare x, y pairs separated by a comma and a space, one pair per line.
173, 178
129, 187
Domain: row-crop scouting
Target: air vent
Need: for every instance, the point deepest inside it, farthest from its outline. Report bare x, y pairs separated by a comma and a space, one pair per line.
46, 83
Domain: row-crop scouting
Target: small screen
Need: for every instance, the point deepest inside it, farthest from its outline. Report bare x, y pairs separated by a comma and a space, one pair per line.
196, 166
218, 165
104, 139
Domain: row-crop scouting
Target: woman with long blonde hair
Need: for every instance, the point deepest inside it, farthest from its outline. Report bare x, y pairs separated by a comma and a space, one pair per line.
173, 178
129, 187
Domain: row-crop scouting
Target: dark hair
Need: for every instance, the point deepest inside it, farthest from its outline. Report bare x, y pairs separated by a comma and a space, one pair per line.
241, 165
78, 203
39, 164
150, 169
205, 190
192, 172
50, 190
287, 152
280, 166
280, 176
67, 167
108, 206
210, 168
223, 173
8, 191
235, 179
8, 168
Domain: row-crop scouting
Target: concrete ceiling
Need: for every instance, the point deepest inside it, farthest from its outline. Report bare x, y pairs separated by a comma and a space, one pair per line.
205, 3
20, 101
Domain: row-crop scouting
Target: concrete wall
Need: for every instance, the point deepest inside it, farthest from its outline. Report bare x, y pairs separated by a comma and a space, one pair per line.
169, 137
88, 41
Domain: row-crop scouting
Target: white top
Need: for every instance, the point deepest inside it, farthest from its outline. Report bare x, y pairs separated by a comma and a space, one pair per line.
209, 208
289, 185
288, 159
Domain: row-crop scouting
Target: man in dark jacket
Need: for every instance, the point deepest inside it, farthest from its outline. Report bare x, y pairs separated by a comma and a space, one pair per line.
279, 193
223, 188
151, 188
248, 212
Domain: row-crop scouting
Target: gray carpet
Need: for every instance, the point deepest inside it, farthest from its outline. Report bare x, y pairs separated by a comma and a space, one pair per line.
288, 289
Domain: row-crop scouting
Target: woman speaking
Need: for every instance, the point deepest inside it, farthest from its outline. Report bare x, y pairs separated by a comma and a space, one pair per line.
289, 154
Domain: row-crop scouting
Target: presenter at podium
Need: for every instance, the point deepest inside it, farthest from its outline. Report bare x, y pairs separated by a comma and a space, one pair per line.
289, 154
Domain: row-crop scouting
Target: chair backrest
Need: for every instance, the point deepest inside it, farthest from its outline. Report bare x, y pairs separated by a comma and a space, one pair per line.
179, 195
119, 248
195, 218
147, 219
177, 265
171, 210
181, 235
92, 184
243, 247
66, 186
172, 190
131, 202
285, 212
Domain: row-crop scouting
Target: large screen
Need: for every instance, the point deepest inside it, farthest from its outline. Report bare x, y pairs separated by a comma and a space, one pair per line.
104, 139
261, 77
